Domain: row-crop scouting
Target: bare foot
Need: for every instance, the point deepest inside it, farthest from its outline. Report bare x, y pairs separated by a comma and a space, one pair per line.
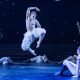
38, 44
33, 52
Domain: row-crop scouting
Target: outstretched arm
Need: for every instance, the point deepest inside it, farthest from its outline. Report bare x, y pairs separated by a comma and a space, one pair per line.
9, 60
31, 60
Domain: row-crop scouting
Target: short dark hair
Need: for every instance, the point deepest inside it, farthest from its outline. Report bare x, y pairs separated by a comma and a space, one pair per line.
33, 12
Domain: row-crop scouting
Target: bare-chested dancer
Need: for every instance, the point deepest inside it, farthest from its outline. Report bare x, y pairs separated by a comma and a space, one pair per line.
32, 31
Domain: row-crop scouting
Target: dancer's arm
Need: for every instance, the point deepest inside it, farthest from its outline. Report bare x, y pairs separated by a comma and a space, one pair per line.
29, 11
34, 59
38, 24
9, 60
31, 59
36, 8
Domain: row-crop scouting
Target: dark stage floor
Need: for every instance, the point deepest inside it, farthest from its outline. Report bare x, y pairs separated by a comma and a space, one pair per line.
32, 72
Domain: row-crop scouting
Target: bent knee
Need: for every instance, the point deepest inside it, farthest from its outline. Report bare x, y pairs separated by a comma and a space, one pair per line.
65, 62
24, 47
44, 31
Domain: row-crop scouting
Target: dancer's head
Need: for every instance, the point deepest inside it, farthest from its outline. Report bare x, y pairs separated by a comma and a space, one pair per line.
78, 50
33, 15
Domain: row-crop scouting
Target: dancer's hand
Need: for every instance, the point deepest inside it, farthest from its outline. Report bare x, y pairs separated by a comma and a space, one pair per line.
33, 52
38, 44
37, 9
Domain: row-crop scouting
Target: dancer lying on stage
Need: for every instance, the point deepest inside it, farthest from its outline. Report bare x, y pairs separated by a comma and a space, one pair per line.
6, 60
34, 30
72, 64
38, 59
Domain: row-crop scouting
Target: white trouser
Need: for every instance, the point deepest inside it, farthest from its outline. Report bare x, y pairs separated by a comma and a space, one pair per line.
30, 36
27, 40
38, 31
71, 66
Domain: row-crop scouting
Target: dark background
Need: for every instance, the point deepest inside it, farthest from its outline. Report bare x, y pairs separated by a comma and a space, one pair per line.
57, 17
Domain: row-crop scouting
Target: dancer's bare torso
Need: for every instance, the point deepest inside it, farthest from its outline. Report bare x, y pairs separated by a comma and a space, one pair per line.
30, 24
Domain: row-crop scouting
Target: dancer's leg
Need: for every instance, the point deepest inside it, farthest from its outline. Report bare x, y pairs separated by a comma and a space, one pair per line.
27, 41
31, 51
40, 40
63, 68
71, 66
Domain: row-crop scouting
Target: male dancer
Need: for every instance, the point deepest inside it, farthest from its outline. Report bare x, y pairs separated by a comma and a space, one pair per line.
32, 31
